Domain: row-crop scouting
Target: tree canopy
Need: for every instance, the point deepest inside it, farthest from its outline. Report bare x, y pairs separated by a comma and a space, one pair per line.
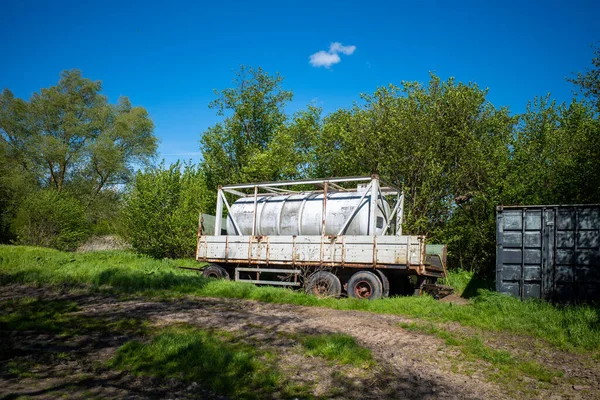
68, 137
588, 82
70, 131
254, 113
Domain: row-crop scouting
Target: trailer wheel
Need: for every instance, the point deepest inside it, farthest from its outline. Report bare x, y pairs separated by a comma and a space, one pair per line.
385, 281
215, 271
324, 284
365, 285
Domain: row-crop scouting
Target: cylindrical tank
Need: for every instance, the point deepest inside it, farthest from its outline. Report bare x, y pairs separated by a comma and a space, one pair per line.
301, 214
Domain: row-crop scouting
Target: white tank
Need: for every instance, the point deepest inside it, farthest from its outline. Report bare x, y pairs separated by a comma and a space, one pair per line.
301, 214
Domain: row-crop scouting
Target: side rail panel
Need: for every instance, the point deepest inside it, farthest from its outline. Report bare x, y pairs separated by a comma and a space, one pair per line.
338, 251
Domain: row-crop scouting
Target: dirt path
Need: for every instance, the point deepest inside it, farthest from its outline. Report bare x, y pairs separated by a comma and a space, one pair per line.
409, 365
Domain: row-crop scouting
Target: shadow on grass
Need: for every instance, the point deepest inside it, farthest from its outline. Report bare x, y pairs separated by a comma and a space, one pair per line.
466, 283
195, 355
28, 313
475, 285
138, 281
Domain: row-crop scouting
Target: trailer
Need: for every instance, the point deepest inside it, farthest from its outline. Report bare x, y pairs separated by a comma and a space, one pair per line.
331, 236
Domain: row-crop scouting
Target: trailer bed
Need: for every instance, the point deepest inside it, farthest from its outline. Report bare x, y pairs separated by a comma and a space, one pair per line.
346, 251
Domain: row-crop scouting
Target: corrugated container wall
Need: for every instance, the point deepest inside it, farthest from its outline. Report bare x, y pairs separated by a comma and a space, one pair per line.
549, 252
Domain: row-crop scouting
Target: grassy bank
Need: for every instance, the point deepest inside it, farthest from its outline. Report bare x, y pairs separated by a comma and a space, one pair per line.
570, 328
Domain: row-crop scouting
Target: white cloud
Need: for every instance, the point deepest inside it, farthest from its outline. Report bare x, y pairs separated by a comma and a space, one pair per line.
328, 58
337, 47
324, 59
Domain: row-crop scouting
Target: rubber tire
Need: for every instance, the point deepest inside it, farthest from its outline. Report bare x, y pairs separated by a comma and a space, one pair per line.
215, 271
333, 283
366, 277
385, 281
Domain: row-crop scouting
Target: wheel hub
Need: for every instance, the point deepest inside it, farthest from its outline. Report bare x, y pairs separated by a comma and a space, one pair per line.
321, 288
363, 289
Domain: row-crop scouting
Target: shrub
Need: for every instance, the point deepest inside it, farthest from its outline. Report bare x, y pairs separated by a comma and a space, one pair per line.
161, 210
50, 218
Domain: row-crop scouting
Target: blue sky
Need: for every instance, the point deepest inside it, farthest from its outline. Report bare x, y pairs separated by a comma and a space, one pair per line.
169, 56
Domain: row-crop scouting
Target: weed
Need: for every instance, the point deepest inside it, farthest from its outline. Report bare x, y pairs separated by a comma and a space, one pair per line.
338, 347
28, 314
21, 367
297, 390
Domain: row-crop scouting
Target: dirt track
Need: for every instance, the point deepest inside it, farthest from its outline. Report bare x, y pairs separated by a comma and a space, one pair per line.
409, 365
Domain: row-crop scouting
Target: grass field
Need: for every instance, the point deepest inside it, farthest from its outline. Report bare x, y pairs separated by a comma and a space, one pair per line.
573, 328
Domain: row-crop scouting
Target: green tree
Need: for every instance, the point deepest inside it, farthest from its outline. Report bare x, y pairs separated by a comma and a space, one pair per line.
555, 155
443, 142
70, 130
70, 138
290, 154
254, 112
588, 82
584, 121
15, 185
537, 143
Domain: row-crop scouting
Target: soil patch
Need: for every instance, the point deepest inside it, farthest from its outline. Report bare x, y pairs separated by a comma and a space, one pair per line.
409, 364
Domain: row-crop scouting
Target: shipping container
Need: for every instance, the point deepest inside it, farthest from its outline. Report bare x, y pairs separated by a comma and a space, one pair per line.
549, 252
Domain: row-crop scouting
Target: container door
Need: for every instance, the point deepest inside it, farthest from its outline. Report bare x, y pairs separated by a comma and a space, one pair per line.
577, 263
519, 252
587, 276
532, 254
509, 257
548, 245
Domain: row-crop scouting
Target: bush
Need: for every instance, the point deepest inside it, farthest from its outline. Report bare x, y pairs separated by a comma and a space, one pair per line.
50, 218
161, 210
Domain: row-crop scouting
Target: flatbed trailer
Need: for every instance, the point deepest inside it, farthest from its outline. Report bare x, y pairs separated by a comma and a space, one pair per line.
363, 265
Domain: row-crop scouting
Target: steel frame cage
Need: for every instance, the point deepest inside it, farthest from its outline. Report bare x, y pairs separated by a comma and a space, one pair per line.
376, 187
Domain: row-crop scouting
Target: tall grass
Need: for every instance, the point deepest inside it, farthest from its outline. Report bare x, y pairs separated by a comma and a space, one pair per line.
466, 283
568, 327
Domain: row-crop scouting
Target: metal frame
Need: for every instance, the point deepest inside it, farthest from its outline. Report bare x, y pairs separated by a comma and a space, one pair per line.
376, 188
258, 271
